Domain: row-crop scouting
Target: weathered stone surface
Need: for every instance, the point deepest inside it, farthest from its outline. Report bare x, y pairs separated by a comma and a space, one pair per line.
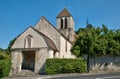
50, 31
46, 41
68, 31
105, 63
37, 40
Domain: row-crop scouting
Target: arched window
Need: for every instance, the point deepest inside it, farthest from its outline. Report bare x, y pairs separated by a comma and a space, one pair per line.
61, 24
28, 41
65, 23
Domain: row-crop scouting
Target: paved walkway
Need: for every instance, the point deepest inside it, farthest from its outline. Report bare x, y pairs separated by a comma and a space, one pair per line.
51, 76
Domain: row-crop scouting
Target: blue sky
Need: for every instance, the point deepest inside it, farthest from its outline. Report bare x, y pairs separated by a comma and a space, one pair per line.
17, 15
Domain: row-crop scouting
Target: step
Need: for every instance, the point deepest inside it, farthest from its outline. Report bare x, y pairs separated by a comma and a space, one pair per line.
26, 73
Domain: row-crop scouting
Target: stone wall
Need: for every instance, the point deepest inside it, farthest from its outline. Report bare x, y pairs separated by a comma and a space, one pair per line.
46, 28
14, 56
62, 47
37, 40
16, 61
69, 46
65, 47
69, 31
70, 22
40, 60
105, 63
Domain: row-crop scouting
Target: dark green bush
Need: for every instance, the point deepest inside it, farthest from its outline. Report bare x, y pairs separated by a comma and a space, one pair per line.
4, 56
55, 66
5, 66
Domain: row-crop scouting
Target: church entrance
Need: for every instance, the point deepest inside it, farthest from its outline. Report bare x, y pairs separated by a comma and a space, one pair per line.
28, 60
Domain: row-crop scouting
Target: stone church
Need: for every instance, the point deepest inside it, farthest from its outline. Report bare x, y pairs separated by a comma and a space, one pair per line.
36, 44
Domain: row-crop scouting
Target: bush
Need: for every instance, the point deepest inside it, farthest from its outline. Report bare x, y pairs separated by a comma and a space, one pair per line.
5, 65
3, 56
55, 66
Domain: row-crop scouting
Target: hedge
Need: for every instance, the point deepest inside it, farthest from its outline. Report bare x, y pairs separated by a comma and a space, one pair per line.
57, 66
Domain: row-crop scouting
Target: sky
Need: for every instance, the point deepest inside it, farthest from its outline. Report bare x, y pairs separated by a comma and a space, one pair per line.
17, 15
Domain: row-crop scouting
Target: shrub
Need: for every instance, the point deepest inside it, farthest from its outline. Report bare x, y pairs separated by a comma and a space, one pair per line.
3, 56
5, 65
55, 66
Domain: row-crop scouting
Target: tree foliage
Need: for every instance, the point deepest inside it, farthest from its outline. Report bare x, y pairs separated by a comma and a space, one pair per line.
96, 41
10, 45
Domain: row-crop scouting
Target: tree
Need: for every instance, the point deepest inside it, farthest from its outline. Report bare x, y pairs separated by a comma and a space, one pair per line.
84, 43
10, 45
96, 41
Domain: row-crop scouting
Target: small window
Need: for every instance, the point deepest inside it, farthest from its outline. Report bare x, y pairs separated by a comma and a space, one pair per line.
61, 23
65, 23
28, 41
54, 54
66, 46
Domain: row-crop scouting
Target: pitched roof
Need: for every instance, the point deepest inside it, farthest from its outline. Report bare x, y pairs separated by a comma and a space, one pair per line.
49, 42
64, 13
54, 28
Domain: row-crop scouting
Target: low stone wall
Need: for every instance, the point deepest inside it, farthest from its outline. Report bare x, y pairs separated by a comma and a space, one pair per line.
105, 63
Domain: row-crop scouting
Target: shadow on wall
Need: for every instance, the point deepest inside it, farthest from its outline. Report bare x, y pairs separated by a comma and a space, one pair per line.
104, 63
42, 70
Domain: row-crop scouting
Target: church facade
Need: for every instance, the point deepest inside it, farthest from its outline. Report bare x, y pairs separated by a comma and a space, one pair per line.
36, 44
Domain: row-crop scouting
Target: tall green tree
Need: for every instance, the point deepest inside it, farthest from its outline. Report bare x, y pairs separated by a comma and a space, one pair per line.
97, 41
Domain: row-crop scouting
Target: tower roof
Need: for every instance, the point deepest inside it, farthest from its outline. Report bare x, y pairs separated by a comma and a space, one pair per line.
64, 13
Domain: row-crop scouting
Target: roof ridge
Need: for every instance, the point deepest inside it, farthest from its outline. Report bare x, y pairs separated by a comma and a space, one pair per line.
48, 22
54, 28
57, 29
44, 36
40, 32
64, 13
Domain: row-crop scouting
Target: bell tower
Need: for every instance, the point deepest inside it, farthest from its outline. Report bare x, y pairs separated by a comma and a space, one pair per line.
65, 24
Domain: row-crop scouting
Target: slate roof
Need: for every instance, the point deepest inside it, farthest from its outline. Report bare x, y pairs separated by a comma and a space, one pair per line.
64, 13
